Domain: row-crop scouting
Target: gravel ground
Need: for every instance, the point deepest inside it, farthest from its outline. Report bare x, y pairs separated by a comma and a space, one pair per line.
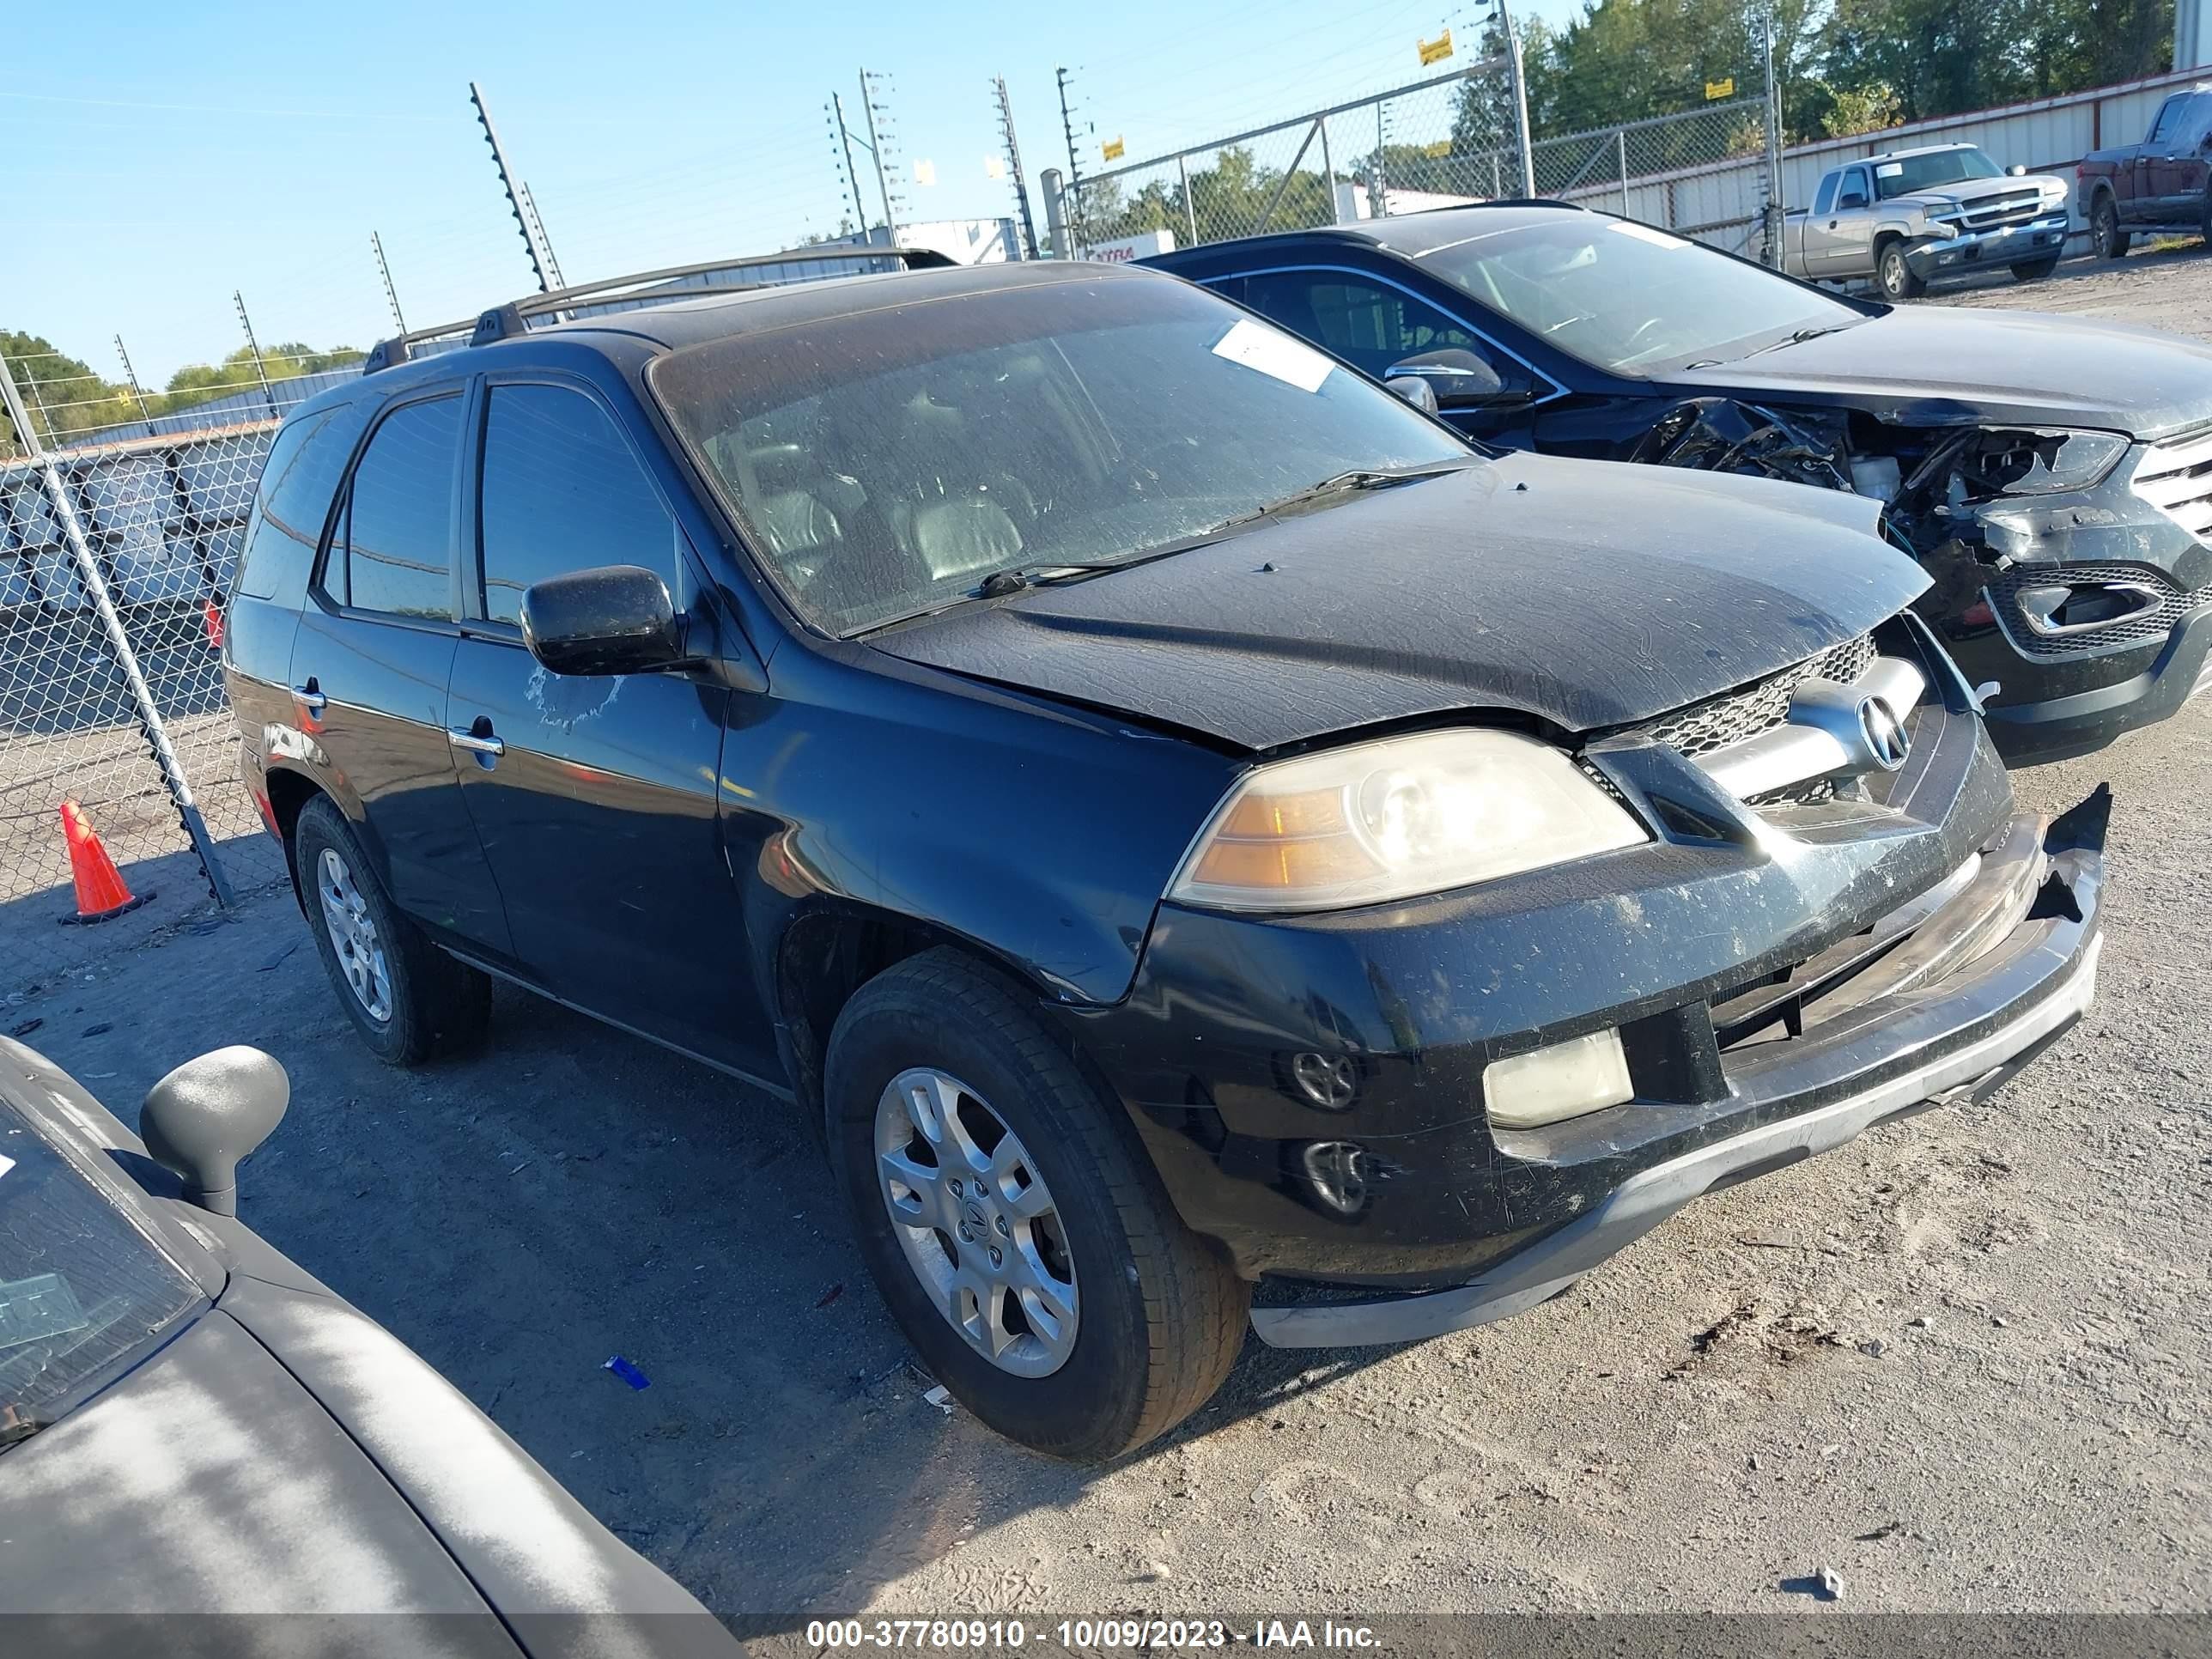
1963, 1364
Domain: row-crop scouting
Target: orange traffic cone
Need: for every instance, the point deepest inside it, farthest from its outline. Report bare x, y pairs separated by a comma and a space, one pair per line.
101, 893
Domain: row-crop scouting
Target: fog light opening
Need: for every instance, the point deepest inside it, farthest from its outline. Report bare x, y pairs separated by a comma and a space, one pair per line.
1563, 1080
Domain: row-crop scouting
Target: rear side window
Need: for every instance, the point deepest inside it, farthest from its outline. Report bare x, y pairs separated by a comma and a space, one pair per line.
562, 491
398, 533
1825, 202
291, 504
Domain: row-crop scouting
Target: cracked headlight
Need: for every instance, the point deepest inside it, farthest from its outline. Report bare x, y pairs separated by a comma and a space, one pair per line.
2046, 462
1388, 820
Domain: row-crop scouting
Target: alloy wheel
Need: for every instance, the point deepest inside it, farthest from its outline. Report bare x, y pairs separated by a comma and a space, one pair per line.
976, 1223
352, 934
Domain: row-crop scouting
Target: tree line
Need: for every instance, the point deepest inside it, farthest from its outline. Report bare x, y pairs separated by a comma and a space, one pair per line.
1842, 67
66, 398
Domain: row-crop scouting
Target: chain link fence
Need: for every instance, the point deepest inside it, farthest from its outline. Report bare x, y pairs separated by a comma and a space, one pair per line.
1445, 142
118, 547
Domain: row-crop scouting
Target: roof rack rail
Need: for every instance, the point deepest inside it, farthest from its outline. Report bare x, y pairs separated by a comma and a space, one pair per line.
506, 321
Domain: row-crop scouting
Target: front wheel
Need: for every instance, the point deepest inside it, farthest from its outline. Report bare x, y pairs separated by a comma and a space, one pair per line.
2110, 241
1012, 1223
1898, 283
2034, 271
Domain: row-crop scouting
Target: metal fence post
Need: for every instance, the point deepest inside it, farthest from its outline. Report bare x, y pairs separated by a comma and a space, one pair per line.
1328, 172
95, 584
1776, 206
1189, 207
1056, 214
1620, 146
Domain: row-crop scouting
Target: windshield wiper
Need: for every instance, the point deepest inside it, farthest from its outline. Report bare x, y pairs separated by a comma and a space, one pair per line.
1798, 338
1342, 482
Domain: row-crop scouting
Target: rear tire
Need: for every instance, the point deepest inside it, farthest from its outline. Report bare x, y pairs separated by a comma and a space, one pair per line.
2106, 236
2034, 271
1893, 277
1142, 1318
408, 998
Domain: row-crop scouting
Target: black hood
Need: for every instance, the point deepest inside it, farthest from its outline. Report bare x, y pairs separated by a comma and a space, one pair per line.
1585, 593
1948, 364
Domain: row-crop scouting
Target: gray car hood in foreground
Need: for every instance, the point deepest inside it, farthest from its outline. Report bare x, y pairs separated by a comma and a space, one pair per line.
1586, 593
1948, 365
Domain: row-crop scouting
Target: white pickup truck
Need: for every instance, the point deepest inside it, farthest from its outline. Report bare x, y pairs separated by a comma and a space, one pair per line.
1909, 216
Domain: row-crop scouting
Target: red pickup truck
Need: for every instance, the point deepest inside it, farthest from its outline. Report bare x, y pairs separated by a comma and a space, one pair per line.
2162, 181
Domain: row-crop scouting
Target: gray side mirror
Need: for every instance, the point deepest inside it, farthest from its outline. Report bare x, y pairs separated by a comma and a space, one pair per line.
1415, 391
2016, 171
1456, 377
616, 619
205, 1117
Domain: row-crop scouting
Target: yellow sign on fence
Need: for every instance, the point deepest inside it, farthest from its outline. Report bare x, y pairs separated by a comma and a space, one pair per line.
1720, 89
1436, 50
1113, 149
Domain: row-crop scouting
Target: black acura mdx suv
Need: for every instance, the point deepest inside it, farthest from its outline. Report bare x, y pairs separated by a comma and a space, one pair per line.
1207, 843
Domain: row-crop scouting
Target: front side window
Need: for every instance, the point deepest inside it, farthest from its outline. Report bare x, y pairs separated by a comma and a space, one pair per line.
886, 461
1913, 173
2168, 121
83, 1291
562, 492
397, 531
1854, 185
1628, 299
1367, 322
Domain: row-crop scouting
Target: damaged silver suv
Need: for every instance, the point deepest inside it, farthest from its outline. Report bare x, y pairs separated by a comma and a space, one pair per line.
2052, 475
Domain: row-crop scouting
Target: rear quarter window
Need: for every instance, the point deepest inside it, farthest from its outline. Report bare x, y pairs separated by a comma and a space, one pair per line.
293, 502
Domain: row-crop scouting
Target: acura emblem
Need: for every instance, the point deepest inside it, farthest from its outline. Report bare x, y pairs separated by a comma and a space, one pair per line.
1884, 733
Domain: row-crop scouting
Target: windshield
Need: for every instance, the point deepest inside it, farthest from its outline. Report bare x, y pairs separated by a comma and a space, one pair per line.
1911, 174
885, 463
1628, 298
81, 1287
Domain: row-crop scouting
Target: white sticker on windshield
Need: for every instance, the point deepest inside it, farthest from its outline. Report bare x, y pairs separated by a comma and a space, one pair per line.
1277, 355
6, 1164
1887, 169
1645, 234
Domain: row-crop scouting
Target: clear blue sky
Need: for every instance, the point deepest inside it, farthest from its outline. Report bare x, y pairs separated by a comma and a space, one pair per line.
165, 154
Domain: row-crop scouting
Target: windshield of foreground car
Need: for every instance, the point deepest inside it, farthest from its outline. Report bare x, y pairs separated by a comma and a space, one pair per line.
886, 463
1628, 299
82, 1288
1909, 174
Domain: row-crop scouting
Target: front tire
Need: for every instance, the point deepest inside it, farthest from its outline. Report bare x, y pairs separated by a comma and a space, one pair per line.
408, 998
2034, 271
1895, 277
2105, 235
1012, 1223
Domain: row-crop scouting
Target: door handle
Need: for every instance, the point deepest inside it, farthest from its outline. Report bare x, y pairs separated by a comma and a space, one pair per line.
308, 697
476, 743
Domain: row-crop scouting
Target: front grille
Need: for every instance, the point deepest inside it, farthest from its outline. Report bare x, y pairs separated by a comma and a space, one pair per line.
2176, 479
1729, 719
2147, 627
2016, 208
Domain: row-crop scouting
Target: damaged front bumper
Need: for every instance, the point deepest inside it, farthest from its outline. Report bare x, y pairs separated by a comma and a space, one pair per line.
2006, 244
2021, 942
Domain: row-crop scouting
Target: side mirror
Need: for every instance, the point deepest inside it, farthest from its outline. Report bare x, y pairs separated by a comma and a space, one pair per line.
1851, 199
1415, 391
615, 619
2016, 171
1456, 378
203, 1117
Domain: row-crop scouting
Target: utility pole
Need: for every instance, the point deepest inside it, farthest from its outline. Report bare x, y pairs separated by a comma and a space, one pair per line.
1072, 197
1776, 206
876, 149
138, 392
852, 174
268, 394
541, 258
384, 270
1520, 99
1014, 166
